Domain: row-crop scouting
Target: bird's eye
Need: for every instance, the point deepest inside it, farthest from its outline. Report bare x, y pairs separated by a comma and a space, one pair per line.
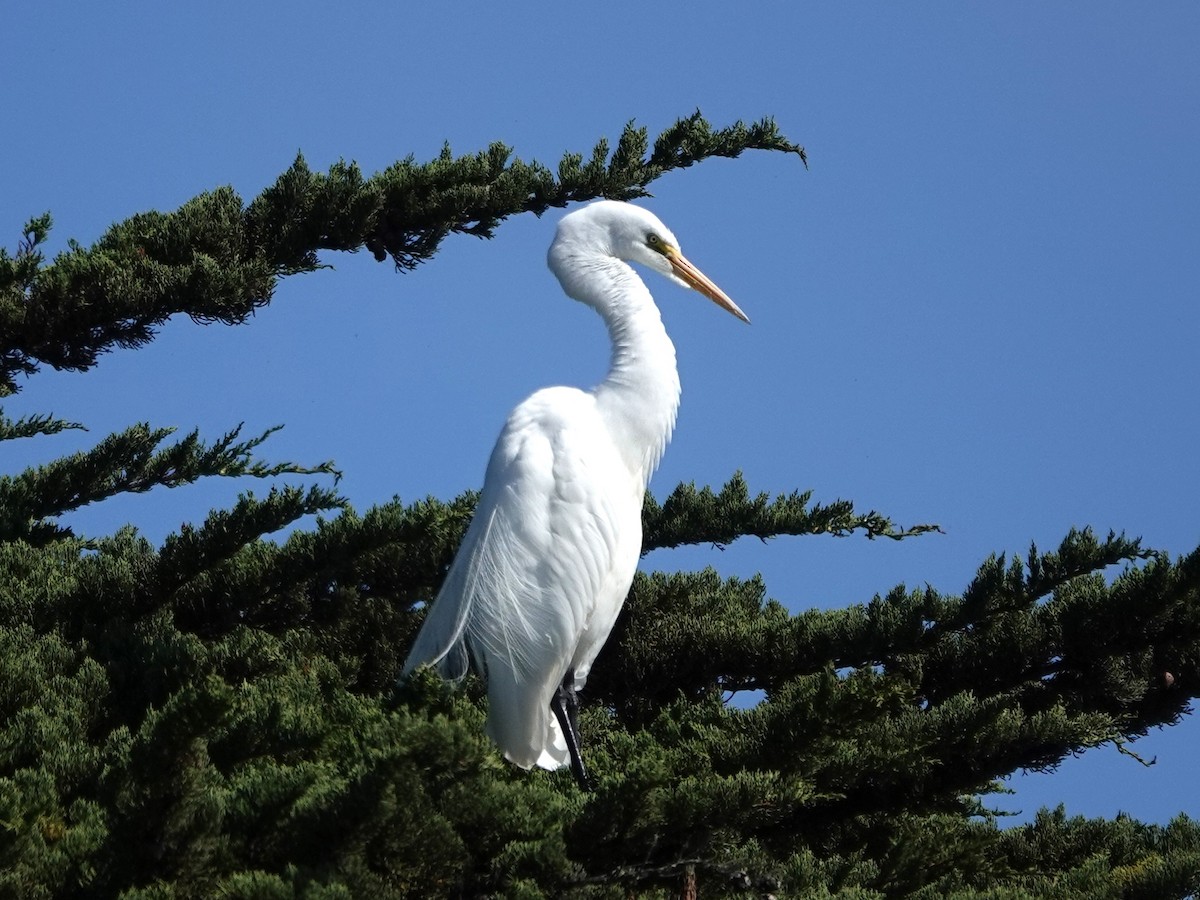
653, 240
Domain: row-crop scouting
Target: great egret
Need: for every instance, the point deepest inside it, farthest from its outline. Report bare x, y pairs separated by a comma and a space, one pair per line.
550, 554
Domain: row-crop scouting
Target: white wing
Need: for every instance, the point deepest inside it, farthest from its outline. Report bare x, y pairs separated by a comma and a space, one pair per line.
542, 570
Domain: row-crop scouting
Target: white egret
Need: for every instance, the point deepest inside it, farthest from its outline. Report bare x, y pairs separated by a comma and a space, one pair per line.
549, 556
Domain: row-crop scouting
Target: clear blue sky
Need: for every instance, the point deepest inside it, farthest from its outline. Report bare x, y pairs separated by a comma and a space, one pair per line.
978, 307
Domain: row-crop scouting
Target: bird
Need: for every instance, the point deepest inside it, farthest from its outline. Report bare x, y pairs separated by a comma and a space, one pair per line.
549, 556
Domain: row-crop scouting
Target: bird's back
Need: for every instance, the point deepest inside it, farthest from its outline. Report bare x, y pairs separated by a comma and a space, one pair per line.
542, 571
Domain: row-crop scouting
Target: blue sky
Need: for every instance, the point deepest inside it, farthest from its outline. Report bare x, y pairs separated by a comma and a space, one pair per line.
978, 307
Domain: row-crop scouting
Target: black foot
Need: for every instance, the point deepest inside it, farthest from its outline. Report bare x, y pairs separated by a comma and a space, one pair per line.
565, 706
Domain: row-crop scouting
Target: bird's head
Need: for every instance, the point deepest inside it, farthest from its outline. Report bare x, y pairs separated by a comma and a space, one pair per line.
633, 234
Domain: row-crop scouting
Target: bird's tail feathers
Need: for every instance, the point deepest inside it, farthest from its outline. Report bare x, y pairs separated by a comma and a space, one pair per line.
441, 640
524, 727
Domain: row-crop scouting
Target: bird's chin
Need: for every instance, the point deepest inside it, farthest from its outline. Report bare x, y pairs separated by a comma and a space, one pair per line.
679, 281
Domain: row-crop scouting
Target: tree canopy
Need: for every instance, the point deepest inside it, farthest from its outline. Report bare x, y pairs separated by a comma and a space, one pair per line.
219, 715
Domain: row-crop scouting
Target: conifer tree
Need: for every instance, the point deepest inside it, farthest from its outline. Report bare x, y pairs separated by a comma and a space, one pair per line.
219, 715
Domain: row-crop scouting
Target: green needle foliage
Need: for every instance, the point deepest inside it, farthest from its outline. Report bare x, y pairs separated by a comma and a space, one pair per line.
219, 716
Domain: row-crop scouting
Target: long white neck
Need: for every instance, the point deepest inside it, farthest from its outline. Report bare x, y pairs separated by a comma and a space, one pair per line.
639, 398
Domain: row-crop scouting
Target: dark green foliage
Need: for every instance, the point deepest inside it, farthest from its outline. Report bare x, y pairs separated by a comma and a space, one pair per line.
122, 463
219, 716
696, 517
33, 425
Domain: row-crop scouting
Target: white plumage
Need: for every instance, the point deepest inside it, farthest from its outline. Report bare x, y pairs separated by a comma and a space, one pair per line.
548, 559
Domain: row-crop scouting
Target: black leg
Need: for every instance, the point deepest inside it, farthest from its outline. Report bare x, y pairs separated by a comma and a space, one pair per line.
565, 706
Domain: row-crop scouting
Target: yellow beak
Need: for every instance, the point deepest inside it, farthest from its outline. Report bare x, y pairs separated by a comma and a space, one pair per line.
702, 283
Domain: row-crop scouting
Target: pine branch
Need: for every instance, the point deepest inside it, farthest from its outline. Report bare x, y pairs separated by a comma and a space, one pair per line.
129, 461
700, 517
217, 259
1142, 761
17, 276
999, 586
29, 426
196, 551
